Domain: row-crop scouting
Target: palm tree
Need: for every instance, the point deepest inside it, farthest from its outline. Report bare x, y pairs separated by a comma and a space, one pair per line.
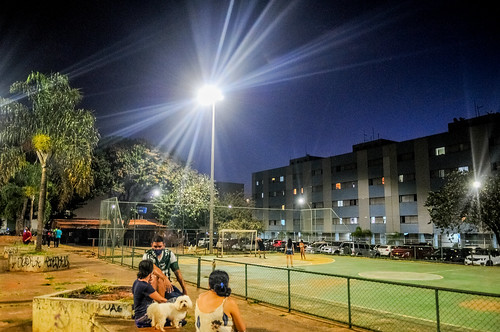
62, 137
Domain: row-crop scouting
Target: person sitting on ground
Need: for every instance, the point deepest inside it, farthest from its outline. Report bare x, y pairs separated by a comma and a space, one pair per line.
27, 237
215, 310
144, 294
164, 260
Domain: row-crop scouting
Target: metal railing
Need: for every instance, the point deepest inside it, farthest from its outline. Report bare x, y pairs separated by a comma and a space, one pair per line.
361, 302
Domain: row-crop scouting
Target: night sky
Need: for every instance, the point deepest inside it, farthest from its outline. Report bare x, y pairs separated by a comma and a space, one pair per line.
298, 77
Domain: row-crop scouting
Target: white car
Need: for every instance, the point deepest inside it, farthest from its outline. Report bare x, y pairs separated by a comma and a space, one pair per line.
483, 257
331, 248
384, 250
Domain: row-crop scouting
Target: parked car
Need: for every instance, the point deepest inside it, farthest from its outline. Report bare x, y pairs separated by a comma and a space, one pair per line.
277, 244
447, 254
355, 248
384, 250
483, 257
416, 251
331, 248
315, 247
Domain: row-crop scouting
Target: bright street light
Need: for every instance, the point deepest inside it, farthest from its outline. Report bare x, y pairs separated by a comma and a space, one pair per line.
209, 95
476, 184
302, 201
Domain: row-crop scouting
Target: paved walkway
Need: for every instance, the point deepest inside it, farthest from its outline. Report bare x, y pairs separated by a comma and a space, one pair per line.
17, 290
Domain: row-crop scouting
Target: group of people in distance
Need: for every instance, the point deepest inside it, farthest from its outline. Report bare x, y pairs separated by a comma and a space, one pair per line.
48, 235
51, 235
215, 310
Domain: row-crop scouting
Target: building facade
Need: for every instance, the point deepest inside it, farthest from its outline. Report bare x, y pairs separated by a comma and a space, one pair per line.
381, 185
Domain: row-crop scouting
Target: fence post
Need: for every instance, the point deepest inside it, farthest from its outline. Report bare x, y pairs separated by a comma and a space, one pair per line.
438, 323
289, 293
121, 262
349, 301
246, 281
133, 253
198, 277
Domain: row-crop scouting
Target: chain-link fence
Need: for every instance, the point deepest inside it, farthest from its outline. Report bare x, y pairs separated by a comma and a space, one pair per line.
373, 304
367, 303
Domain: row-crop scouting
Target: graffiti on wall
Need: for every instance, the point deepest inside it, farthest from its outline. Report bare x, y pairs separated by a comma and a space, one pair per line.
38, 263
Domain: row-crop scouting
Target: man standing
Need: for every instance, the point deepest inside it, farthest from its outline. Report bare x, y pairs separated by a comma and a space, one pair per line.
58, 234
164, 261
262, 248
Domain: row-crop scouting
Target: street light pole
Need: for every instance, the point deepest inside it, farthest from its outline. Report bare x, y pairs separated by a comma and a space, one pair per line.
209, 95
302, 201
212, 184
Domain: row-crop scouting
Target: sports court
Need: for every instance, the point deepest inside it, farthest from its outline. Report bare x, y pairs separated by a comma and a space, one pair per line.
383, 294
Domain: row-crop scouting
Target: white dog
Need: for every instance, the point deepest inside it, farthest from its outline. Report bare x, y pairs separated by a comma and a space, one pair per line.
175, 312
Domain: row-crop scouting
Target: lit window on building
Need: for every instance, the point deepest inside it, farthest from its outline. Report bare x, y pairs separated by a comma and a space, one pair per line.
262, 195
463, 169
295, 191
337, 185
283, 207
282, 222
282, 178
439, 151
302, 190
273, 180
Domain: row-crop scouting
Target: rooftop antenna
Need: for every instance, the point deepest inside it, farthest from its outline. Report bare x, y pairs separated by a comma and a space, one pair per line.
477, 108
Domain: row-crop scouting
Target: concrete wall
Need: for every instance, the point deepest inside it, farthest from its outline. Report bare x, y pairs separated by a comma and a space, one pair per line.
53, 313
38, 263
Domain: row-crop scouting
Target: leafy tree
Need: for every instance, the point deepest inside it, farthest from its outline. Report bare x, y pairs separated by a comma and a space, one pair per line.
131, 169
235, 212
488, 199
459, 207
127, 169
62, 137
448, 207
184, 198
361, 233
12, 203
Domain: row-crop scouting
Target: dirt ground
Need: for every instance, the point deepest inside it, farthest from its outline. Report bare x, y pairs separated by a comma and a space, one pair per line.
17, 290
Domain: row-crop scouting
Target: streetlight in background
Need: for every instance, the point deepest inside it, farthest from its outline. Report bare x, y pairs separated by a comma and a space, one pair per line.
301, 202
477, 185
209, 95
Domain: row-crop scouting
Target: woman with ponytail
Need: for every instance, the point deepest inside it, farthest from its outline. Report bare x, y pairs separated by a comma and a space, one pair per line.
215, 310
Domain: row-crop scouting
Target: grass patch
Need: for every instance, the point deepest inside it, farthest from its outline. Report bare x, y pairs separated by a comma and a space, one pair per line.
96, 289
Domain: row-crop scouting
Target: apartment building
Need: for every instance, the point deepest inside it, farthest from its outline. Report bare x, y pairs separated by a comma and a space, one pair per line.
381, 185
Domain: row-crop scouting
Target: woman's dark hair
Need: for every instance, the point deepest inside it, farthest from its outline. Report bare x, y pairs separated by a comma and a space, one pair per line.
289, 243
145, 268
219, 282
